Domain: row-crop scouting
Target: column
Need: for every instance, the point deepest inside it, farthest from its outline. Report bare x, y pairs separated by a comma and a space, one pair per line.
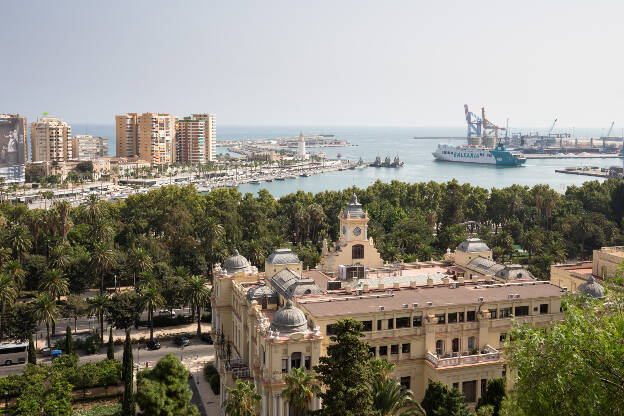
287, 408
274, 405
264, 404
280, 404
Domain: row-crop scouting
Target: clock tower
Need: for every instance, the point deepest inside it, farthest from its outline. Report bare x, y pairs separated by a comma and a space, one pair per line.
353, 247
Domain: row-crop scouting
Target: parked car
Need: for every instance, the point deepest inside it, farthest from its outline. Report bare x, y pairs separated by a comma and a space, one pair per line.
182, 341
152, 345
167, 312
207, 339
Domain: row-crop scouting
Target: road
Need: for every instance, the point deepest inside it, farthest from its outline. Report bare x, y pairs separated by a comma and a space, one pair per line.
194, 357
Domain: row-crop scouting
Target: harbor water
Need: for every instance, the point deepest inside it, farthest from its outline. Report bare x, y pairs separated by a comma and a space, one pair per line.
420, 165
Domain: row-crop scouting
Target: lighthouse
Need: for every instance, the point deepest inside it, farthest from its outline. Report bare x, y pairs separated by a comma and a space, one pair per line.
301, 150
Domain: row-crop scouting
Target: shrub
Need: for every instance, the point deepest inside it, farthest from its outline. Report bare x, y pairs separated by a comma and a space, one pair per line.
215, 383
104, 410
207, 317
209, 370
92, 344
109, 372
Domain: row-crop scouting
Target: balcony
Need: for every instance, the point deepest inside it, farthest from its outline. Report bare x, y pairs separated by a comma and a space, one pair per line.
239, 368
487, 354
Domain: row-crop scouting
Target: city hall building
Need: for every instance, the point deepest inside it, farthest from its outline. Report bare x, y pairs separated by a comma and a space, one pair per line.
435, 321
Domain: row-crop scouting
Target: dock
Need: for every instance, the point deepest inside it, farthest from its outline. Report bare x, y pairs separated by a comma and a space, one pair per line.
594, 171
571, 156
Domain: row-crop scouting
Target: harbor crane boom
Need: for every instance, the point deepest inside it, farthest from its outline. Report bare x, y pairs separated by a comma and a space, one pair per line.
610, 129
552, 127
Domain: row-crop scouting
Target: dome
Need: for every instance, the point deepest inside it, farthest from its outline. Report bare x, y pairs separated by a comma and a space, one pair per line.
283, 256
354, 209
260, 292
235, 263
473, 245
289, 320
592, 288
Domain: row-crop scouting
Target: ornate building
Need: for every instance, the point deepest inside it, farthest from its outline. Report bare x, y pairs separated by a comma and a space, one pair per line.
449, 330
354, 251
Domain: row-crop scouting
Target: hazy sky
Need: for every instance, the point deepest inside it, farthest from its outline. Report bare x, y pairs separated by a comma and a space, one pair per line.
316, 62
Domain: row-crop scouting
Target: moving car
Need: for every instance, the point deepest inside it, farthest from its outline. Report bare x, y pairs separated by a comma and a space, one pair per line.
152, 345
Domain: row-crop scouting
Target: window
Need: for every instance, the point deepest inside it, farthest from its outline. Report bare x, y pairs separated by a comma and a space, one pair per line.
417, 321
295, 360
439, 347
403, 322
383, 351
544, 308
357, 251
521, 311
493, 314
456, 386
307, 362
469, 388
472, 344
461, 316
452, 318
394, 349
405, 382
284, 365
368, 326
405, 348
373, 351
470, 316
391, 323
329, 329
263, 356
441, 318
505, 312
483, 386
455, 345
379, 325
502, 337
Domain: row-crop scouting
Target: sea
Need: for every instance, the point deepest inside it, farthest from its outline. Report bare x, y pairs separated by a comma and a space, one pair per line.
369, 142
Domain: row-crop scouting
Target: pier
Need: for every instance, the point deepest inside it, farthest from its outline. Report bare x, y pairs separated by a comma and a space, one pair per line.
613, 172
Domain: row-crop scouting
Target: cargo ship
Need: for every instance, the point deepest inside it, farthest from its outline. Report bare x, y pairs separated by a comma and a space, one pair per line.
479, 154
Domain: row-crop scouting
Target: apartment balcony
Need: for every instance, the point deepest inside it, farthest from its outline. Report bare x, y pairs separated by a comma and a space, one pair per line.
486, 355
239, 369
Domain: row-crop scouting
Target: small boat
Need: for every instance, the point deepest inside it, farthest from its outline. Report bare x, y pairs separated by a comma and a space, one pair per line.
269, 180
255, 182
279, 178
305, 175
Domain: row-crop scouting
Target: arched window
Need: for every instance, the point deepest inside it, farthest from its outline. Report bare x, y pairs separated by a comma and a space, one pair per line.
295, 360
439, 347
472, 344
455, 344
357, 252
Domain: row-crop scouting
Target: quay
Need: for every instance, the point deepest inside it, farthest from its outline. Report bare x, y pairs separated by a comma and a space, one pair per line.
571, 156
595, 171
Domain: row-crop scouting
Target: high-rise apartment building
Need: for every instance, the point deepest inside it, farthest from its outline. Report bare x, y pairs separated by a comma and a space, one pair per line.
13, 147
191, 140
150, 136
157, 138
87, 147
127, 141
210, 136
50, 140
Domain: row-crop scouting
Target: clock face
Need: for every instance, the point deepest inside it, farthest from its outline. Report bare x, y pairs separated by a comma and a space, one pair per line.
344, 229
357, 231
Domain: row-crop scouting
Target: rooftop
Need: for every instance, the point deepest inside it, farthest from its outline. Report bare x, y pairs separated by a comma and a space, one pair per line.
440, 296
614, 250
473, 245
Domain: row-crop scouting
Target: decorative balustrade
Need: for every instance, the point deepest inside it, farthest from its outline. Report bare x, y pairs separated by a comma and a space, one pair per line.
488, 354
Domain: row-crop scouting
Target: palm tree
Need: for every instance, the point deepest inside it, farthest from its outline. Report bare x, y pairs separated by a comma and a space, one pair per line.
211, 233
34, 222
140, 261
97, 307
300, 390
8, 294
392, 399
63, 208
54, 284
152, 299
92, 208
18, 238
197, 294
242, 399
46, 311
14, 268
102, 260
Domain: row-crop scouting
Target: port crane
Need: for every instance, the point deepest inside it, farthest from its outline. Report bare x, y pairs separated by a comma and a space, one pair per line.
552, 127
473, 122
488, 126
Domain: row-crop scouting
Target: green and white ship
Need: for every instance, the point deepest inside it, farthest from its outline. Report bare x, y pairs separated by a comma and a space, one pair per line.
478, 154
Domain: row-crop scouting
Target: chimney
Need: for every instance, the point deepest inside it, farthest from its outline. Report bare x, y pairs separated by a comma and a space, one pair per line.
445, 280
365, 288
413, 283
397, 285
429, 282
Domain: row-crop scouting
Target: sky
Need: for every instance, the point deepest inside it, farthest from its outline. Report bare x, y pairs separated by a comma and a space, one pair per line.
336, 62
